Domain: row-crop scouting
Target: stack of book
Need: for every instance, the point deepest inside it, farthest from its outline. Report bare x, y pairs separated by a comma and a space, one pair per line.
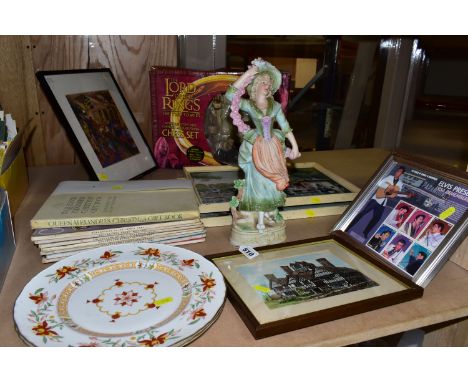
81, 215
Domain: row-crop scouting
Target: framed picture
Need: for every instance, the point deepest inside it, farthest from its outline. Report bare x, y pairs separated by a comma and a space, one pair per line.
294, 285
99, 122
411, 215
309, 184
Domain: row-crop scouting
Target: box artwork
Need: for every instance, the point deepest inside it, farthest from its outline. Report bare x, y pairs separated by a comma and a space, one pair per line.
190, 117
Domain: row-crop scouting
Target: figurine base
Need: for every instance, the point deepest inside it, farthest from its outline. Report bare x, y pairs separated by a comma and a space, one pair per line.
255, 238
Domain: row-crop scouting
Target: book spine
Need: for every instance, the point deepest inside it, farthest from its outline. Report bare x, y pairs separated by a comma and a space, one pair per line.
56, 257
116, 231
217, 221
114, 220
312, 212
304, 213
130, 235
72, 232
154, 109
48, 233
141, 239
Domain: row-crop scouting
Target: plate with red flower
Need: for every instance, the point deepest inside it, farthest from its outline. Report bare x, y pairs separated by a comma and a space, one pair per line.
143, 294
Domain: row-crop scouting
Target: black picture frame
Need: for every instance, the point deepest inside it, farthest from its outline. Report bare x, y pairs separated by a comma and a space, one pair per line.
93, 110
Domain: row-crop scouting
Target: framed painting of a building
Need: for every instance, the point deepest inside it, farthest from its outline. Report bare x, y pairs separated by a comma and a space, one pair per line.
294, 285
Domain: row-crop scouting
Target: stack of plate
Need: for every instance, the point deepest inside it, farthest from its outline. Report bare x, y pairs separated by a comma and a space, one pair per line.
125, 295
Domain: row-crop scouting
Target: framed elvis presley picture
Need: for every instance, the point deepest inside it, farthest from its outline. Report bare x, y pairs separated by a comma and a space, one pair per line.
99, 122
390, 242
411, 215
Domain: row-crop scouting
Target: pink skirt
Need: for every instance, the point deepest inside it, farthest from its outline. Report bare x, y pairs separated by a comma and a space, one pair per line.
269, 160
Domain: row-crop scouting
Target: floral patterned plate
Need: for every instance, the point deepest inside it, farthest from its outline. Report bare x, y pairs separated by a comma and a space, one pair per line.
127, 295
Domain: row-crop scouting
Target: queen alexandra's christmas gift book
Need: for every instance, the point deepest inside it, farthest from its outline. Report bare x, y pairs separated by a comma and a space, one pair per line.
79, 203
84, 215
190, 117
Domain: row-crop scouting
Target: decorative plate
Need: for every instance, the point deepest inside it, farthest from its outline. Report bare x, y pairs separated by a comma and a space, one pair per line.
143, 294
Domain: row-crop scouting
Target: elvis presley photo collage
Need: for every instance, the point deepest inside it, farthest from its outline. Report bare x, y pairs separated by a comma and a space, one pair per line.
408, 216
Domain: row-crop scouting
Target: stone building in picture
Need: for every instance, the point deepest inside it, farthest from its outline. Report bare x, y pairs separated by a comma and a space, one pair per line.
303, 281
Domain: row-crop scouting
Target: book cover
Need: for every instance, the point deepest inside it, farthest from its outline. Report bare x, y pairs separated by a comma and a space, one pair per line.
3, 130
7, 237
43, 235
111, 203
190, 117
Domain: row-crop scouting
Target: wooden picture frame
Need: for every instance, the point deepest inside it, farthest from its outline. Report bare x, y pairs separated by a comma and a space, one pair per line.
217, 182
294, 285
418, 225
99, 122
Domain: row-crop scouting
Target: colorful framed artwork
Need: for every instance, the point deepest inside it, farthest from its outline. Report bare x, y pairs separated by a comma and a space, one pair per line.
310, 184
294, 285
99, 122
411, 215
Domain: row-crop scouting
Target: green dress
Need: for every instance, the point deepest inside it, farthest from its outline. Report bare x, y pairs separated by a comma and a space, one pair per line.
260, 193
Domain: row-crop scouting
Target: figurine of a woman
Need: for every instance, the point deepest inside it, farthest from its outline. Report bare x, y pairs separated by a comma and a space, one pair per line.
262, 157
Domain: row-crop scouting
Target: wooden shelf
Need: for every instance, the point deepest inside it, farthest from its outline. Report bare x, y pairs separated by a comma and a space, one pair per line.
444, 300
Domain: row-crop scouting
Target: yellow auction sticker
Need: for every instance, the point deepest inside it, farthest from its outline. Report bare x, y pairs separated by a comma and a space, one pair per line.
310, 213
448, 212
163, 301
315, 200
118, 187
102, 176
261, 288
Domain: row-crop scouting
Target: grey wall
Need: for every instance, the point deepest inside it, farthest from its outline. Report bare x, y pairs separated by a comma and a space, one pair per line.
447, 78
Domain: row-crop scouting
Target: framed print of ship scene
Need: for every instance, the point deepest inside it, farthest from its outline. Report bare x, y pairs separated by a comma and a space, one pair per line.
412, 214
310, 183
294, 285
99, 122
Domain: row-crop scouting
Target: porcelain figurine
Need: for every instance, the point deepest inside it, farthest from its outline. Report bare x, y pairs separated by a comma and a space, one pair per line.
262, 157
